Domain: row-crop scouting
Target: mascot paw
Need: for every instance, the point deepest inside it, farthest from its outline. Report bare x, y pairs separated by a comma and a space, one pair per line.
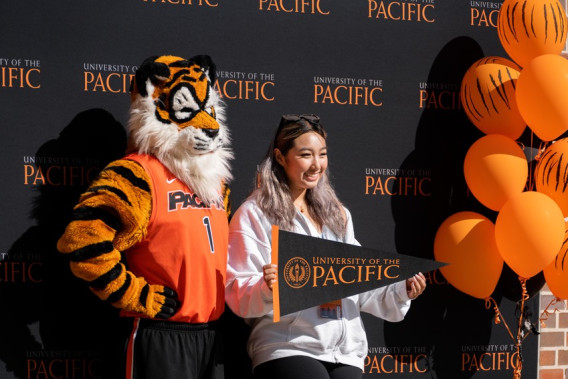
164, 303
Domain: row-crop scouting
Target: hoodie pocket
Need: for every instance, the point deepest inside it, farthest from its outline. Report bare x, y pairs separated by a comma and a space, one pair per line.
309, 331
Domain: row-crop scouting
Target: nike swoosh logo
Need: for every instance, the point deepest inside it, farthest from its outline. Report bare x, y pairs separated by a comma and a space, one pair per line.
170, 181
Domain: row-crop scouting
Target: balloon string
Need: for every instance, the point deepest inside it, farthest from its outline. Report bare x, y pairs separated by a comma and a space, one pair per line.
518, 368
498, 316
541, 149
524, 297
530, 184
546, 312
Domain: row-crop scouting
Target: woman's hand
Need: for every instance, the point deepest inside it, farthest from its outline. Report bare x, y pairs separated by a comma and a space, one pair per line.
270, 273
415, 285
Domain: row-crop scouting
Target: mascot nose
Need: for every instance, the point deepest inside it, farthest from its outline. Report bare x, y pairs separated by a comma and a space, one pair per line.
204, 121
211, 133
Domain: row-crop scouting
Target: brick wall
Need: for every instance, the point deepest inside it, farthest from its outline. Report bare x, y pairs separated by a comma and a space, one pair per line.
553, 339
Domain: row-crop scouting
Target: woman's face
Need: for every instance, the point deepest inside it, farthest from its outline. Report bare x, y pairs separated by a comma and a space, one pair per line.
305, 162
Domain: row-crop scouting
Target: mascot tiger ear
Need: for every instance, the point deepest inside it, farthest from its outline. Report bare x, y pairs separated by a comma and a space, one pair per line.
149, 69
208, 66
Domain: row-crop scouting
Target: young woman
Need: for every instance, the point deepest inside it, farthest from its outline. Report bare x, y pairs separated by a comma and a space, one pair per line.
294, 193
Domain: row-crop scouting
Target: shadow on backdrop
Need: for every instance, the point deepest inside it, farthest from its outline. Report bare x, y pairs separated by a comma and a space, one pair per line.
443, 320
53, 326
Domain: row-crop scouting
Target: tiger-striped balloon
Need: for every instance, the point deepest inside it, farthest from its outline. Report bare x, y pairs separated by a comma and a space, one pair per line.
487, 95
551, 173
529, 28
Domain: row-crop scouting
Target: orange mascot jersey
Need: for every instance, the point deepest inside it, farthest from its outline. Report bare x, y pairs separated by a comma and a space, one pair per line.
185, 247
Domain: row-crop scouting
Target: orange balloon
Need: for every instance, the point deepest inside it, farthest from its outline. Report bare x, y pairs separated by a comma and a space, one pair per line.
529, 231
495, 168
487, 94
551, 173
542, 90
556, 273
529, 28
466, 240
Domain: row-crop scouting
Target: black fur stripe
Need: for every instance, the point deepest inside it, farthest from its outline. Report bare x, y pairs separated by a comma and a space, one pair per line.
94, 213
118, 294
130, 176
108, 277
189, 79
91, 251
114, 190
202, 76
181, 63
160, 118
144, 294
176, 76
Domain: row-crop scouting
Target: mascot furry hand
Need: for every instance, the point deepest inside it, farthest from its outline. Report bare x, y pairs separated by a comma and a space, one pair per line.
150, 233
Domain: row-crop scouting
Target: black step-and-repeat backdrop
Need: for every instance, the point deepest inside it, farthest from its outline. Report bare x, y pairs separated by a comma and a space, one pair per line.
384, 75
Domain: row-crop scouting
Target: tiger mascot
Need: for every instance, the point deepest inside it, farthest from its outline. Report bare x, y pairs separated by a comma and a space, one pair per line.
150, 234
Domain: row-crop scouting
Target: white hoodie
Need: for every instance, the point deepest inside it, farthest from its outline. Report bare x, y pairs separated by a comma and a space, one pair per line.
305, 332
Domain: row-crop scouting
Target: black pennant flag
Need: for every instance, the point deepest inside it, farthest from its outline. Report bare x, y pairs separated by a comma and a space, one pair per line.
314, 271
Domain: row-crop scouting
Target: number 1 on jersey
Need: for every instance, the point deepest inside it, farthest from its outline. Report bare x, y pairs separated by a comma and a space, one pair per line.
207, 224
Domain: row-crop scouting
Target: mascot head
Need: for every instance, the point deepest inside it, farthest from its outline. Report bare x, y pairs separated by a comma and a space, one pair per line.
177, 115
